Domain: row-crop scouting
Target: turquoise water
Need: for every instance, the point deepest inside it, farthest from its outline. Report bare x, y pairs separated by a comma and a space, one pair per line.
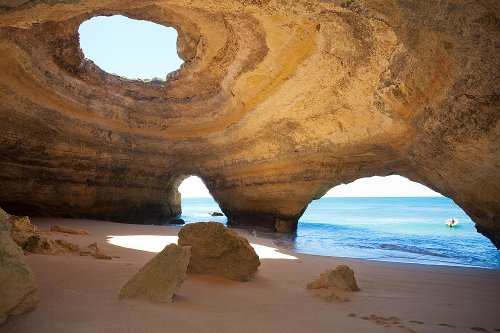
410, 230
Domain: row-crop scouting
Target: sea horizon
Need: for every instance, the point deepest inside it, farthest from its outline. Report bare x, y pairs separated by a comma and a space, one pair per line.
390, 229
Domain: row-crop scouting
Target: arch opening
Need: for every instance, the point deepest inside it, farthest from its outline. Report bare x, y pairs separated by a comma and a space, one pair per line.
129, 48
197, 203
389, 219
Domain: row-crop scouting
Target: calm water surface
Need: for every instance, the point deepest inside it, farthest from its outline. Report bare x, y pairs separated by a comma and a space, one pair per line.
407, 230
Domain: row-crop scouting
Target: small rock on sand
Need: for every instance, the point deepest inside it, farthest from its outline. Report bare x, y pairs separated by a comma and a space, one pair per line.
93, 251
177, 221
72, 231
341, 277
333, 284
161, 277
216, 214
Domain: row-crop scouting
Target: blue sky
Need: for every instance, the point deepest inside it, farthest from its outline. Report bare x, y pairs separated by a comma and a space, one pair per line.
390, 186
130, 48
141, 49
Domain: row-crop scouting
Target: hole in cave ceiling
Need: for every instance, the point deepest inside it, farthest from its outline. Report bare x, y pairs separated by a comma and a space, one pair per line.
133, 49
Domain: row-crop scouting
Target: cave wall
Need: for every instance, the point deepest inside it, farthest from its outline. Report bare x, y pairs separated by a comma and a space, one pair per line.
277, 102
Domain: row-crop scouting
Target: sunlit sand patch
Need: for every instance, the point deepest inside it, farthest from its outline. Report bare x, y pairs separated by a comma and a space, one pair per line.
155, 243
149, 243
266, 252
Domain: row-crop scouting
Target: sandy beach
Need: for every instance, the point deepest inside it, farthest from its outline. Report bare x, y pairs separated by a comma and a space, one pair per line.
79, 294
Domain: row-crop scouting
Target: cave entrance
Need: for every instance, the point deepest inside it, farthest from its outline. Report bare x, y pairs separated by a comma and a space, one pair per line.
391, 219
133, 49
197, 203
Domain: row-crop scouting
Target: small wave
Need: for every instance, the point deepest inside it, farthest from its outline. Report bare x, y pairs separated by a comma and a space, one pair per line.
404, 249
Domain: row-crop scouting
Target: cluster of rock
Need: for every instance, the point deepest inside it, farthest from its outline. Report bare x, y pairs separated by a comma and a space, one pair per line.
17, 282
204, 248
40, 244
335, 281
32, 240
17, 237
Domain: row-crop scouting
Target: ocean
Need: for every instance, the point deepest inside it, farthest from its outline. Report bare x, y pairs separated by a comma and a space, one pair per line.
409, 230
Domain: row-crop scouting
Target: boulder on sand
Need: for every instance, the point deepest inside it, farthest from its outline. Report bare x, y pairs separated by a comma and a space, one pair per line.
17, 282
341, 277
161, 277
220, 251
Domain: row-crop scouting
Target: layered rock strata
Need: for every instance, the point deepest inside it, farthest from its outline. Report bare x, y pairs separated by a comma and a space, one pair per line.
277, 102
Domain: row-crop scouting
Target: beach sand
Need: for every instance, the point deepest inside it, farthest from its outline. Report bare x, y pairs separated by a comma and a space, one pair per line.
80, 294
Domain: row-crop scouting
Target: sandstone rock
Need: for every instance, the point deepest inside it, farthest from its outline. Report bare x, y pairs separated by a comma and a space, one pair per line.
72, 231
177, 221
161, 277
285, 226
93, 251
17, 283
22, 229
30, 239
217, 250
341, 277
42, 245
278, 101
216, 214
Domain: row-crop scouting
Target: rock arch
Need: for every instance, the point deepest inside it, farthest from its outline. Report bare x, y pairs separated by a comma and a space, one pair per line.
276, 102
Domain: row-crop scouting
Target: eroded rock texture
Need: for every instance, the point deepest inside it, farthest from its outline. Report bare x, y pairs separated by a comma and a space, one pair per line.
341, 277
161, 277
17, 282
277, 102
217, 250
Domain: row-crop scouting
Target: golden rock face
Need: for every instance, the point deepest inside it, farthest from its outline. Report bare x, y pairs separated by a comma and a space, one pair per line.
277, 102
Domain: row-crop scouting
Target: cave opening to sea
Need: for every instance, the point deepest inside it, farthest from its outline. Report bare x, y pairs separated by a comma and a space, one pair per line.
197, 203
388, 219
134, 49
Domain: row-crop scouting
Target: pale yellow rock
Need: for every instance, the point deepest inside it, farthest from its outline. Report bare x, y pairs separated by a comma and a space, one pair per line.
66, 230
93, 251
22, 229
17, 282
277, 102
341, 277
40, 244
161, 277
220, 251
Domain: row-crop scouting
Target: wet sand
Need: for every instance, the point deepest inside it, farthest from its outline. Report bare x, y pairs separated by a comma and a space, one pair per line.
79, 294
